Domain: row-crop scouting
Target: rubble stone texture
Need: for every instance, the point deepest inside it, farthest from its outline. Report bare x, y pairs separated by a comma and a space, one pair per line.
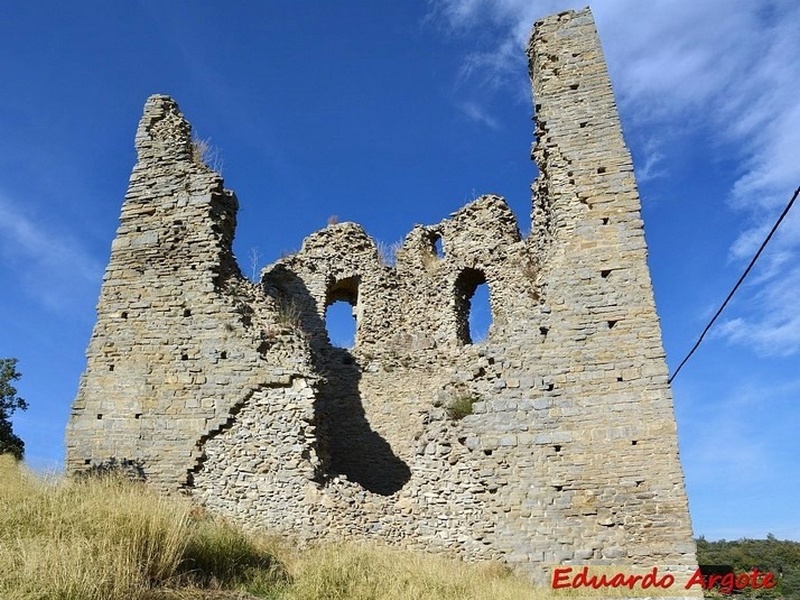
233, 392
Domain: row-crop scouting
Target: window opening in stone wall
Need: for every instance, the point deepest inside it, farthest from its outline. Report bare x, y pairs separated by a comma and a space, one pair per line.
341, 324
435, 248
480, 315
438, 246
473, 307
340, 320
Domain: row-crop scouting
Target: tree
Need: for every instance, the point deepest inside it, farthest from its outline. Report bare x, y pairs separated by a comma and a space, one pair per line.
9, 402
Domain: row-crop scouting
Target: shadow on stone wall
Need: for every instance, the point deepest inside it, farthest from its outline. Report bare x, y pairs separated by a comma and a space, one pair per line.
347, 444
356, 450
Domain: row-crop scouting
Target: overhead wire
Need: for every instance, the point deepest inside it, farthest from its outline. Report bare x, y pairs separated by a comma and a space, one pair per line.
738, 283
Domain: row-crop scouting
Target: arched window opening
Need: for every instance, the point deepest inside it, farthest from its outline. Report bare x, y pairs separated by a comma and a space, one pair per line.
438, 246
435, 244
480, 314
473, 308
340, 317
341, 324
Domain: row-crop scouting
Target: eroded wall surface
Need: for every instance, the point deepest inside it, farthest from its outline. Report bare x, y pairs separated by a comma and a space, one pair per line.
232, 391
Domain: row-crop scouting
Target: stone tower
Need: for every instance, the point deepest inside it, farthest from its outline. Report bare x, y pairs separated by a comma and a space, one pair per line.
551, 442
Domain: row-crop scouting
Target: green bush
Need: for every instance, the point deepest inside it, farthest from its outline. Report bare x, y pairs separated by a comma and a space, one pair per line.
460, 407
781, 557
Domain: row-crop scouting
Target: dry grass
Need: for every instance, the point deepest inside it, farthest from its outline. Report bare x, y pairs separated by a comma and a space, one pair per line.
369, 572
289, 313
111, 539
107, 538
387, 253
205, 154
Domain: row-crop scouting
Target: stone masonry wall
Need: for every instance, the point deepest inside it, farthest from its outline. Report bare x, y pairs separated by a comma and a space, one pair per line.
234, 393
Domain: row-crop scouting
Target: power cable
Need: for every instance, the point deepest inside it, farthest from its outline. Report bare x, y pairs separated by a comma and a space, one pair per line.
738, 283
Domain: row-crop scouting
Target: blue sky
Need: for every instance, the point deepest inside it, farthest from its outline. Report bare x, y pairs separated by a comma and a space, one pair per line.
395, 113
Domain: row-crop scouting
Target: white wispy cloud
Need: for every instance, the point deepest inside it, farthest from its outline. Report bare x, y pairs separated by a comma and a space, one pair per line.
773, 326
49, 265
652, 167
476, 113
726, 69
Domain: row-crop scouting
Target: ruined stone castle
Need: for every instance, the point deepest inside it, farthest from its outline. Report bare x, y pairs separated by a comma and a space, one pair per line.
553, 441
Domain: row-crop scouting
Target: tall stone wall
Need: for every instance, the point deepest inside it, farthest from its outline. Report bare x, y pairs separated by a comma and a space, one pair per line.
234, 393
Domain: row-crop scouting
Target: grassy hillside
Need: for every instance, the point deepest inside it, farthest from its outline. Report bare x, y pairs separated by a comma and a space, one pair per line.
108, 538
